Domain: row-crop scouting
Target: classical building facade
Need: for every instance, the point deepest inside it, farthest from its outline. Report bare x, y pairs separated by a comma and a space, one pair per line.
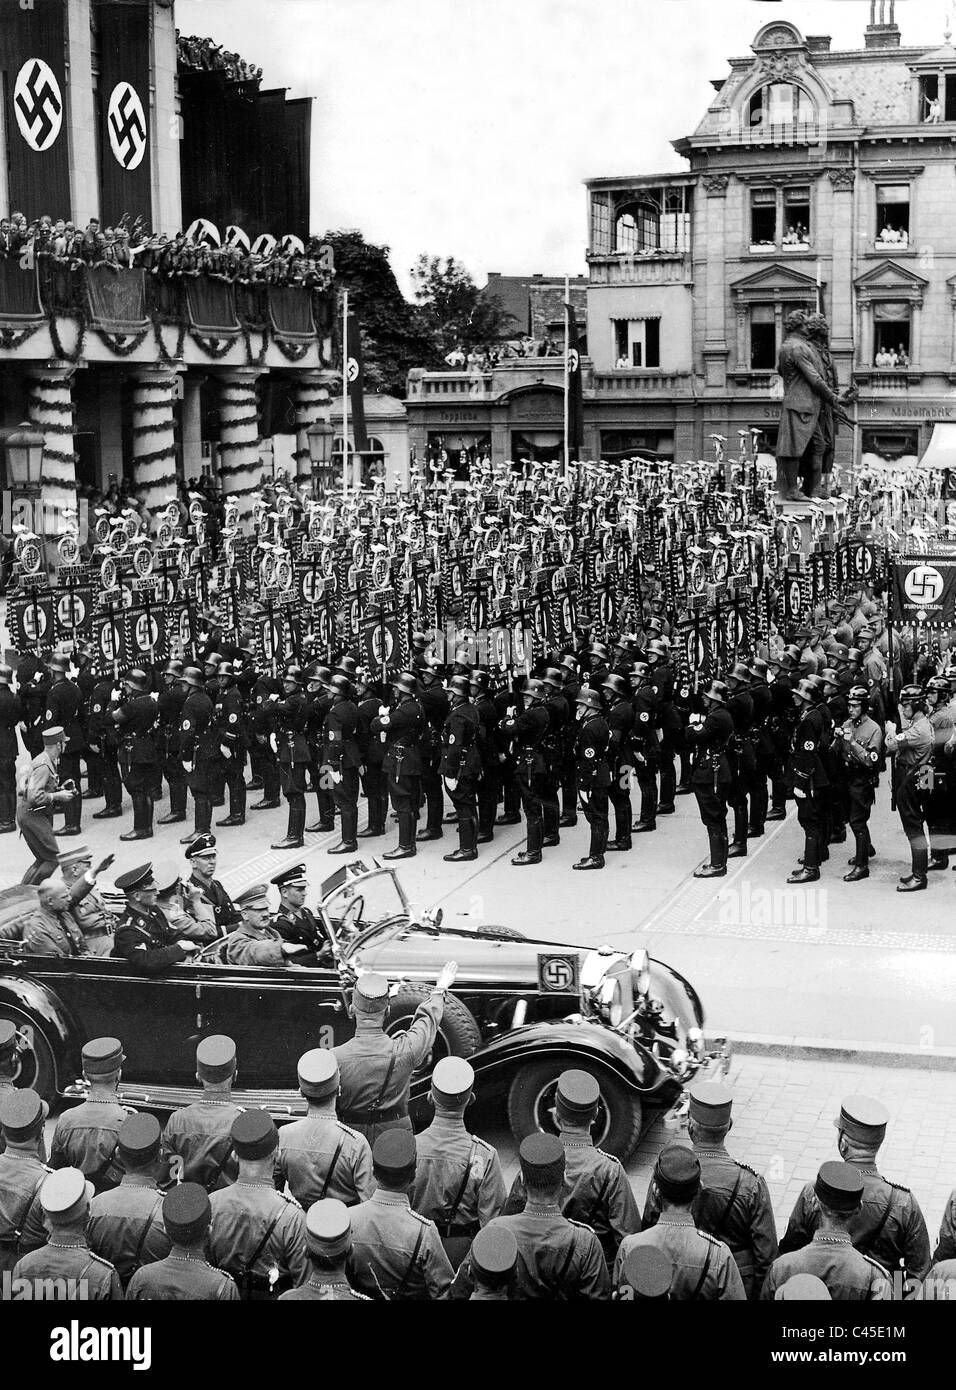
815, 178
122, 376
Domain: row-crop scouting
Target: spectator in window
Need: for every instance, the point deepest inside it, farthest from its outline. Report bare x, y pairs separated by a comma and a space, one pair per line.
622, 361
934, 113
902, 357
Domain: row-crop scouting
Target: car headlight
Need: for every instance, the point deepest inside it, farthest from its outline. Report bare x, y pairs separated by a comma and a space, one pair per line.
606, 989
640, 964
611, 999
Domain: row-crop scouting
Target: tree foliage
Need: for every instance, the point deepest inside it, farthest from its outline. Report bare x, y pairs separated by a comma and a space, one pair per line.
453, 310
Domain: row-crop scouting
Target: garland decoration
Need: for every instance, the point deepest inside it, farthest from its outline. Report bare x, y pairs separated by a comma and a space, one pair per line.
155, 455
255, 359
292, 352
164, 355
11, 338
58, 349
213, 347
115, 343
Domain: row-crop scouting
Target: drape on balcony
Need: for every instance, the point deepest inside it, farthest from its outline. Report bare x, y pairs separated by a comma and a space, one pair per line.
290, 311
212, 306
19, 293
116, 298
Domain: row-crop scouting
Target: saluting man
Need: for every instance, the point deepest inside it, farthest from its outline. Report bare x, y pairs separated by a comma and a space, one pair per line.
376, 1069
38, 794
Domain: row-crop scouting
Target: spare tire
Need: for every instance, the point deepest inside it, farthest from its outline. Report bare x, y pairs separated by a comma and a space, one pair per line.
458, 1032
502, 933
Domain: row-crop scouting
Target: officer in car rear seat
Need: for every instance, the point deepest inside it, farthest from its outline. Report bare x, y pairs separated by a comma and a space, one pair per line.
254, 942
142, 937
375, 1070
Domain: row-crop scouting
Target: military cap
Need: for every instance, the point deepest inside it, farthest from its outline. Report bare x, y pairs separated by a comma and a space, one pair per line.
394, 1155
226, 671
805, 1288
137, 678
432, 663
65, 1195
419, 640
654, 625
254, 894
216, 1058
174, 668
347, 668
839, 1186
254, 1134
102, 1056
569, 662
718, 692
494, 1254
838, 652
739, 672
406, 683
140, 877
202, 844
289, 877
53, 735
75, 856
659, 646
292, 675
8, 1039
589, 698
22, 1114
863, 1119
648, 1270
866, 633
166, 875
542, 1160
328, 1228
370, 995
187, 1212
578, 1092
760, 669
318, 1072
342, 686
598, 650
318, 674
677, 1173
829, 676
138, 1139
59, 662
710, 1103
616, 684
6, 674
452, 1081
193, 676
553, 677
214, 660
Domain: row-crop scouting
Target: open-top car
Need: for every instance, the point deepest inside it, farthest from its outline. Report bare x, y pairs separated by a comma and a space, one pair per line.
523, 1010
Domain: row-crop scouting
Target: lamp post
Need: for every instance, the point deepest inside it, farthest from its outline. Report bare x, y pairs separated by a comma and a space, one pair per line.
25, 458
320, 437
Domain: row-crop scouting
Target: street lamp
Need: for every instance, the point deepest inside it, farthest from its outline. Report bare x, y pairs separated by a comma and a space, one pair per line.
25, 457
320, 437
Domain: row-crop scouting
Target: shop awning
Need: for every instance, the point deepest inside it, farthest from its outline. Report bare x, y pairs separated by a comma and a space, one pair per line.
941, 449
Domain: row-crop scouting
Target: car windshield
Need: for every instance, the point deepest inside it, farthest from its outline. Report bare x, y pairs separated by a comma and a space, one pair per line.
364, 903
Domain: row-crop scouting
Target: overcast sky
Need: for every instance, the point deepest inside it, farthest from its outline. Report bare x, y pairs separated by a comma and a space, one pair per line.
466, 127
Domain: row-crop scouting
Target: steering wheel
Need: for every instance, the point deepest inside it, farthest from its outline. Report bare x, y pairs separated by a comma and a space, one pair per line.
349, 921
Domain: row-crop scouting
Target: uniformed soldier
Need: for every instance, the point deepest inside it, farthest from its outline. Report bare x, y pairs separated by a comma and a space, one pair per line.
458, 1182
22, 1174
90, 912
570, 686
202, 857
889, 1226
620, 757
527, 730
741, 756
294, 921
849, 1275
596, 1190
318, 697
396, 1252
263, 757
341, 761
33, 682
169, 710
860, 744
946, 1244
803, 1288
939, 805
125, 1223
135, 718
67, 1260
401, 730
254, 942
87, 1135
460, 766
257, 1234
143, 937
372, 751
593, 774
103, 741
912, 750
319, 1156
185, 1274
64, 708
646, 737
704, 1267
762, 745
185, 913
733, 1203
489, 781
494, 1258
709, 735
647, 1273
11, 714
558, 1259
290, 715
38, 794
811, 739
198, 750
329, 1241
10, 1043
52, 930
560, 716
376, 1069
200, 1134
434, 703
229, 721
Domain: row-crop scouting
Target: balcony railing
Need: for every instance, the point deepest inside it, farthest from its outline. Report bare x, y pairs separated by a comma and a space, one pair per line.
641, 381
887, 378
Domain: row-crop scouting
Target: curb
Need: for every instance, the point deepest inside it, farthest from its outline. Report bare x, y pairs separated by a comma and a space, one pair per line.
826, 1050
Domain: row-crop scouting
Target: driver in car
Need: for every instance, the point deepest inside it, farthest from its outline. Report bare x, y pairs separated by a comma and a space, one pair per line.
294, 922
254, 942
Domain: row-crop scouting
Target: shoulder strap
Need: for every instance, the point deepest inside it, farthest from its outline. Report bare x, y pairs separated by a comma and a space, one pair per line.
572, 1247
19, 1224
248, 1266
411, 1264
874, 1236
598, 1202
105, 1166
464, 1183
703, 1274
147, 1226
331, 1168
377, 1103
718, 1227
217, 1172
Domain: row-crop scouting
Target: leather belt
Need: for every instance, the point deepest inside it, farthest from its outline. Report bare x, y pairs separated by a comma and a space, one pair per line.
378, 1116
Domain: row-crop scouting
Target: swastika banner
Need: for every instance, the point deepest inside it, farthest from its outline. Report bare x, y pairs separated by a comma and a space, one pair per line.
125, 177
924, 590
31, 56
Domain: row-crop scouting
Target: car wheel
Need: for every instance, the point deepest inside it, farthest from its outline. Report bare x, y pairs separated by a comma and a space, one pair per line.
502, 933
36, 1067
458, 1033
531, 1105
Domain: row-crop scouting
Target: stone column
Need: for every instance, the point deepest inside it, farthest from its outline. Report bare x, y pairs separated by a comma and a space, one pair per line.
312, 401
192, 424
841, 264
154, 435
715, 336
240, 467
51, 411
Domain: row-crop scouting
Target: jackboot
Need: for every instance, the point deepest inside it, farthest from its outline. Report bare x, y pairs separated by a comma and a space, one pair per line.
296, 826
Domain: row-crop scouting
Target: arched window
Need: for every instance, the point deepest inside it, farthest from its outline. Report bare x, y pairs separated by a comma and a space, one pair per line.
638, 227
780, 105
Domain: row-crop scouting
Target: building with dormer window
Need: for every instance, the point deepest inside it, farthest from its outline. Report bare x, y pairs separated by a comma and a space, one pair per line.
816, 177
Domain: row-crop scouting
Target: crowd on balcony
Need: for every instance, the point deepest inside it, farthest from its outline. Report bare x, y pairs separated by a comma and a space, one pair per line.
202, 55
165, 257
892, 357
479, 360
893, 236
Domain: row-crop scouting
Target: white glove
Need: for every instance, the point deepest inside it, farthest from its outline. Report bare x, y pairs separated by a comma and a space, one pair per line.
447, 977
292, 948
799, 794
189, 946
187, 767
116, 695
226, 752
154, 695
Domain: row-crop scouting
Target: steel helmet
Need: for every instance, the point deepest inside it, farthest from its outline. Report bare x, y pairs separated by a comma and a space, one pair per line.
589, 698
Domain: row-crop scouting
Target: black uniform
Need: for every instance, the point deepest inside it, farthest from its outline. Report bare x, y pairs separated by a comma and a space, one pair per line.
811, 739
594, 778
229, 719
489, 747
11, 713
528, 730
290, 718
559, 716
199, 745
461, 764
169, 709
104, 738
372, 754
319, 704
262, 758
743, 763
144, 939
620, 757
645, 749
342, 759
403, 763
710, 777
763, 756
435, 705
138, 758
